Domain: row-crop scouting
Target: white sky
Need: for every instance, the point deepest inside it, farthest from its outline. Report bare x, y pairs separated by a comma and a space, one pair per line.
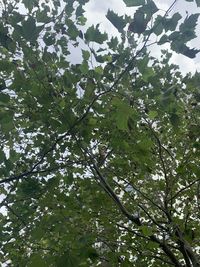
96, 11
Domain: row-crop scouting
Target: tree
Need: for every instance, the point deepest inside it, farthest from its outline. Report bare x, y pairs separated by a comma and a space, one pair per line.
99, 160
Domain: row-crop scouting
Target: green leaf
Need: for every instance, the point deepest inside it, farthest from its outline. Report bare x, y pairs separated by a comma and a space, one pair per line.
84, 68
146, 230
66, 126
142, 16
41, 15
150, 8
73, 31
164, 39
99, 70
170, 24
197, 3
116, 20
148, 73
175, 36
36, 260
139, 23
4, 98
94, 35
82, 20
49, 39
189, 23
121, 121
187, 28
122, 114
190, 52
2, 156
67, 260
6, 65
7, 42
175, 120
30, 4
113, 43
92, 253
37, 233
174, 21
152, 245
30, 186
134, 2
86, 54
181, 48
153, 114
29, 29
158, 29
6, 121
79, 11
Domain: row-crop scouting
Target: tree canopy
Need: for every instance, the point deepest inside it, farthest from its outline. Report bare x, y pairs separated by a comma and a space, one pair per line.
99, 161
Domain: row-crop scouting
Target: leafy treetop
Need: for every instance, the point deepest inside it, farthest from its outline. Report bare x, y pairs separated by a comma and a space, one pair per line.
99, 161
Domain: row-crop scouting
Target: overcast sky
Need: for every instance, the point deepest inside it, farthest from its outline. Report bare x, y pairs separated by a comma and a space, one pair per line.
96, 11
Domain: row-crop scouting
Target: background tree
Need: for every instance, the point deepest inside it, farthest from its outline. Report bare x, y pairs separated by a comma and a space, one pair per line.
99, 160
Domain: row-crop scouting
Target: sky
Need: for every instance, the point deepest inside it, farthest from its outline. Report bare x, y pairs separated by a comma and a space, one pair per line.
96, 11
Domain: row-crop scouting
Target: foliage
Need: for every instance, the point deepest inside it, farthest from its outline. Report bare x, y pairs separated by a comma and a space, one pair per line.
99, 161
